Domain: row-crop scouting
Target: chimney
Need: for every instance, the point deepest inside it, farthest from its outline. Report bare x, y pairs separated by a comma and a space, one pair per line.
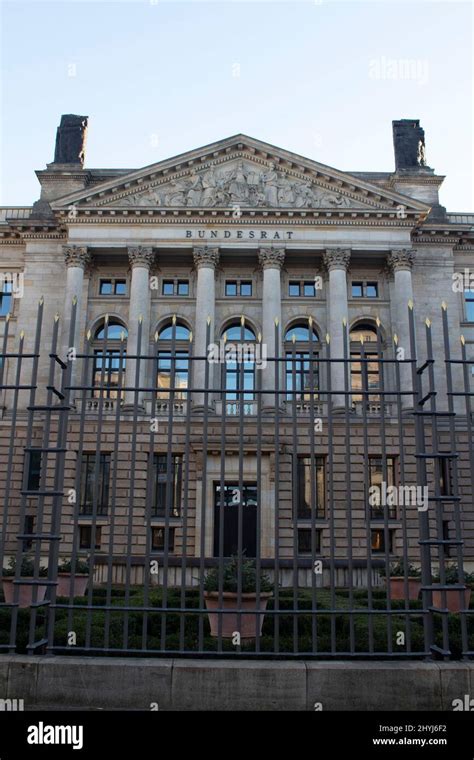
409, 145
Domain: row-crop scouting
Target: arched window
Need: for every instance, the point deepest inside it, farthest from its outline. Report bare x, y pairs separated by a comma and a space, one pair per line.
240, 342
301, 346
109, 359
173, 360
368, 333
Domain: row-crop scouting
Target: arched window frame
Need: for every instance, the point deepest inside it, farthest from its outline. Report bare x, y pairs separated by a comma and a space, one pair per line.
173, 350
108, 345
301, 365
239, 375
370, 350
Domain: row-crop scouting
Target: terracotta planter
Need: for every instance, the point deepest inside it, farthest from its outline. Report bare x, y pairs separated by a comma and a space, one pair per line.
25, 593
397, 588
453, 599
250, 623
79, 584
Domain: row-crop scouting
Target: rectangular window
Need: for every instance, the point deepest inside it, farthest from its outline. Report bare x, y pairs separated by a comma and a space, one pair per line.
33, 459
168, 287
365, 290
106, 372
376, 479
302, 382
113, 287
445, 488
309, 289
231, 288
85, 536
446, 537
106, 288
158, 539
94, 484
120, 287
6, 298
167, 485
246, 288
469, 305
294, 289
304, 541
183, 287
29, 527
310, 488
378, 541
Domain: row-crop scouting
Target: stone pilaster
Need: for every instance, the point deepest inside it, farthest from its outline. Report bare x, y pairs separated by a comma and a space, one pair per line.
401, 261
271, 260
141, 259
206, 259
337, 261
77, 258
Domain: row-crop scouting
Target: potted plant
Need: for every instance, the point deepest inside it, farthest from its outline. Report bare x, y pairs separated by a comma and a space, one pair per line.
80, 578
250, 624
456, 599
399, 573
25, 590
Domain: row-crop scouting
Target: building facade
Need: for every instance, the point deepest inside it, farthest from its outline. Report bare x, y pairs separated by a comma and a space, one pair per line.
243, 347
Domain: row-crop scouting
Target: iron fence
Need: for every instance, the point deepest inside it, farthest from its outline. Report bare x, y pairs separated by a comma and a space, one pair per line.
306, 505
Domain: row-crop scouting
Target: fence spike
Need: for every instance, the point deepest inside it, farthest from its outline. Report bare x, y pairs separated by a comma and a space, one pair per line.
74, 301
173, 319
106, 319
208, 320
122, 336
463, 340
428, 322
41, 301
22, 334
277, 321
328, 339
410, 304
88, 335
56, 317
344, 322
293, 338
310, 320
395, 339
259, 337
378, 322
444, 305
190, 336
140, 319
156, 336
242, 320
7, 318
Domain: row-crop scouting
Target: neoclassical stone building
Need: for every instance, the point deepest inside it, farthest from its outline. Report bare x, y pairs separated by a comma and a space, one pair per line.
235, 242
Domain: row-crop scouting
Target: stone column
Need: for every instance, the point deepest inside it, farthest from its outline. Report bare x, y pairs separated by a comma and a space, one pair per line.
141, 259
401, 262
206, 259
271, 260
76, 258
337, 262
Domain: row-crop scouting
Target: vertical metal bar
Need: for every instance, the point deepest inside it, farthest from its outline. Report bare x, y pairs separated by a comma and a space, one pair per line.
276, 572
294, 446
365, 401
204, 489
348, 469
454, 476
330, 491
258, 561
186, 481
315, 506
383, 438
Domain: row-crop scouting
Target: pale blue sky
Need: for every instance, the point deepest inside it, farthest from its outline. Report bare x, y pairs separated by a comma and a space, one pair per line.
324, 79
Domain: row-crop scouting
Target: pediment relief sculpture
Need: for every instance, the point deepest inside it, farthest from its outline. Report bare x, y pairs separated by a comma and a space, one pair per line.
240, 184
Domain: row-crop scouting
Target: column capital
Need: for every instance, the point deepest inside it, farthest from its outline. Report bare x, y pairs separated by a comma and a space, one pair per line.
141, 256
401, 258
76, 255
205, 256
271, 258
337, 258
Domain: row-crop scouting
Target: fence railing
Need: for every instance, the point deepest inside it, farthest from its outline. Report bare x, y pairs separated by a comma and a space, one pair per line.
244, 510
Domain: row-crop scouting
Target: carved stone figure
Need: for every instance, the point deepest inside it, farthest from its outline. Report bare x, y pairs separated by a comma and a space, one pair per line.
238, 188
209, 184
194, 192
71, 140
176, 194
409, 144
270, 180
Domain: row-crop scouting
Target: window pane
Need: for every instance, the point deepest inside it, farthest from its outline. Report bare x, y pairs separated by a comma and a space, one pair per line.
231, 288
309, 289
181, 332
167, 484
301, 333
356, 289
168, 287
245, 288
236, 333
372, 290
105, 287
120, 287
183, 288
469, 310
114, 332
158, 539
5, 304
34, 470
294, 289
304, 486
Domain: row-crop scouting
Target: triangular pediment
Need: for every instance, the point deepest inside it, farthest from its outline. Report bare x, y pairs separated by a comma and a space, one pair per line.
239, 172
